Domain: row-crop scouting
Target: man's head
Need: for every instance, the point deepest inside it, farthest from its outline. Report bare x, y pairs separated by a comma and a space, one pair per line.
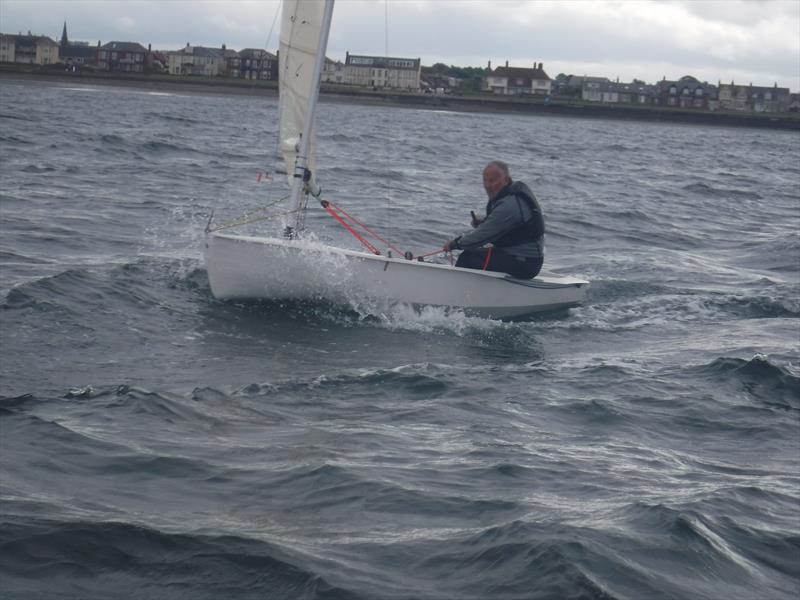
495, 178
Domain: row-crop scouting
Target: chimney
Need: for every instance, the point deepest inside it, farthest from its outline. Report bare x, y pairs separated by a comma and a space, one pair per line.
540, 66
489, 66
506, 63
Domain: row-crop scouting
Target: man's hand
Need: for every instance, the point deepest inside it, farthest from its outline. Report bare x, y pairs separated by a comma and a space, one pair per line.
451, 245
476, 220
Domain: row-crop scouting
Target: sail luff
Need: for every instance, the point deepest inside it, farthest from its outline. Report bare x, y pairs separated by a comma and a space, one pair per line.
304, 36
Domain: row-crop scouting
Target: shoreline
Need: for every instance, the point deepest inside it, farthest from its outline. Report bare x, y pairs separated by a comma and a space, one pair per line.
473, 103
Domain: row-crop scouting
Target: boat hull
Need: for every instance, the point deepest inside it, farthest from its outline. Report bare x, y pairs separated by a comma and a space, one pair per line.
248, 267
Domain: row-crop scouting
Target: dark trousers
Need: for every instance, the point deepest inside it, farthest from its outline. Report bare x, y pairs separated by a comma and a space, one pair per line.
516, 266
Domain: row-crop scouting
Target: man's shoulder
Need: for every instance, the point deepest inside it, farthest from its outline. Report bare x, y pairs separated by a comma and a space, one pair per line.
520, 187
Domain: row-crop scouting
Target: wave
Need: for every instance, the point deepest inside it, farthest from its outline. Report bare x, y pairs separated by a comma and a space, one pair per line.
9, 257
118, 560
11, 404
173, 118
758, 377
740, 556
107, 287
37, 169
340, 138
14, 140
161, 147
619, 305
111, 139
780, 254
705, 189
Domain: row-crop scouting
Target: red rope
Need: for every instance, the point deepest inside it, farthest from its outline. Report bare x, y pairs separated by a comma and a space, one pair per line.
334, 211
439, 251
488, 258
356, 235
367, 229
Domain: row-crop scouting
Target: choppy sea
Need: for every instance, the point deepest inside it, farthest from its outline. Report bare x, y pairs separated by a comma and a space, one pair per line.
156, 443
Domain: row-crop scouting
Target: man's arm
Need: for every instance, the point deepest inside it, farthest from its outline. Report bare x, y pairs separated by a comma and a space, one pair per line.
504, 217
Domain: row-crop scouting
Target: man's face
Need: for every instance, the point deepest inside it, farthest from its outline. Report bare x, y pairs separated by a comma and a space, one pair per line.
494, 180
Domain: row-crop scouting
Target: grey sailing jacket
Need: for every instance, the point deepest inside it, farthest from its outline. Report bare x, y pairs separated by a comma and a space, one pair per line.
508, 213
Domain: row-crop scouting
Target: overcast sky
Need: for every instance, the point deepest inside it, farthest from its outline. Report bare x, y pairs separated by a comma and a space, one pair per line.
745, 41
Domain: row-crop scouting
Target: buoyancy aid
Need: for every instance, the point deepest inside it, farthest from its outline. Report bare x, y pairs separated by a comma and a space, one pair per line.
530, 230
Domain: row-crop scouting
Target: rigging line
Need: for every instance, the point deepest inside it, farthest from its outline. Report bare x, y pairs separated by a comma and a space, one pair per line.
330, 209
232, 224
386, 181
364, 227
242, 122
439, 251
272, 27
246, 218
386, 25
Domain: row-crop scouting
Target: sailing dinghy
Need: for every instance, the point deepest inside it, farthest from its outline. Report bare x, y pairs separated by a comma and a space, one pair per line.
296, 267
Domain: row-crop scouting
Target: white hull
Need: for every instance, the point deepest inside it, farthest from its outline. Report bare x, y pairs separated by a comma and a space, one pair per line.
246, 267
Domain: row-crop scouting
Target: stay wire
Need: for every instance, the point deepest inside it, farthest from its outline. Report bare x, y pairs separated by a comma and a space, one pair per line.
247, 218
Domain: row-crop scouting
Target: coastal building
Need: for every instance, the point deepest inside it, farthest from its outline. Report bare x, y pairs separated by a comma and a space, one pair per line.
76, 54
124, 57
753, 98
198, 60
156, 61
614, 92
687, 92
28, 49
255, 63
382, 72
333, 71
8, 47
518, 81
438, 84
572, 85
592, 88
231, 62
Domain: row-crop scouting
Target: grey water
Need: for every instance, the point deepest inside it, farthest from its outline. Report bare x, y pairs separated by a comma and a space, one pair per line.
158, 443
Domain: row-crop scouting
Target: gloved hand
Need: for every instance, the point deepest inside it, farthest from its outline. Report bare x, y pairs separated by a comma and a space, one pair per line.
451, 245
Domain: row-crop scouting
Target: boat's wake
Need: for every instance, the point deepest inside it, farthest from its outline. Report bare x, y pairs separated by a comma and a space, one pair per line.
400, 316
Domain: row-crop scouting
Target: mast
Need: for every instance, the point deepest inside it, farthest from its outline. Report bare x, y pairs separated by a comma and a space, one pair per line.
298, 187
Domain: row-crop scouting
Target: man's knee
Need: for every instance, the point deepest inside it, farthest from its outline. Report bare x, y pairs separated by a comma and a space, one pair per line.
471, 259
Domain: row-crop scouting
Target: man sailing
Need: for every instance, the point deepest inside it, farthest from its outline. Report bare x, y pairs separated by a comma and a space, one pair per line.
514, 226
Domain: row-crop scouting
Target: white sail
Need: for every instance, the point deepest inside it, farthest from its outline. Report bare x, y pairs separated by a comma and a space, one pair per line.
301, 35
